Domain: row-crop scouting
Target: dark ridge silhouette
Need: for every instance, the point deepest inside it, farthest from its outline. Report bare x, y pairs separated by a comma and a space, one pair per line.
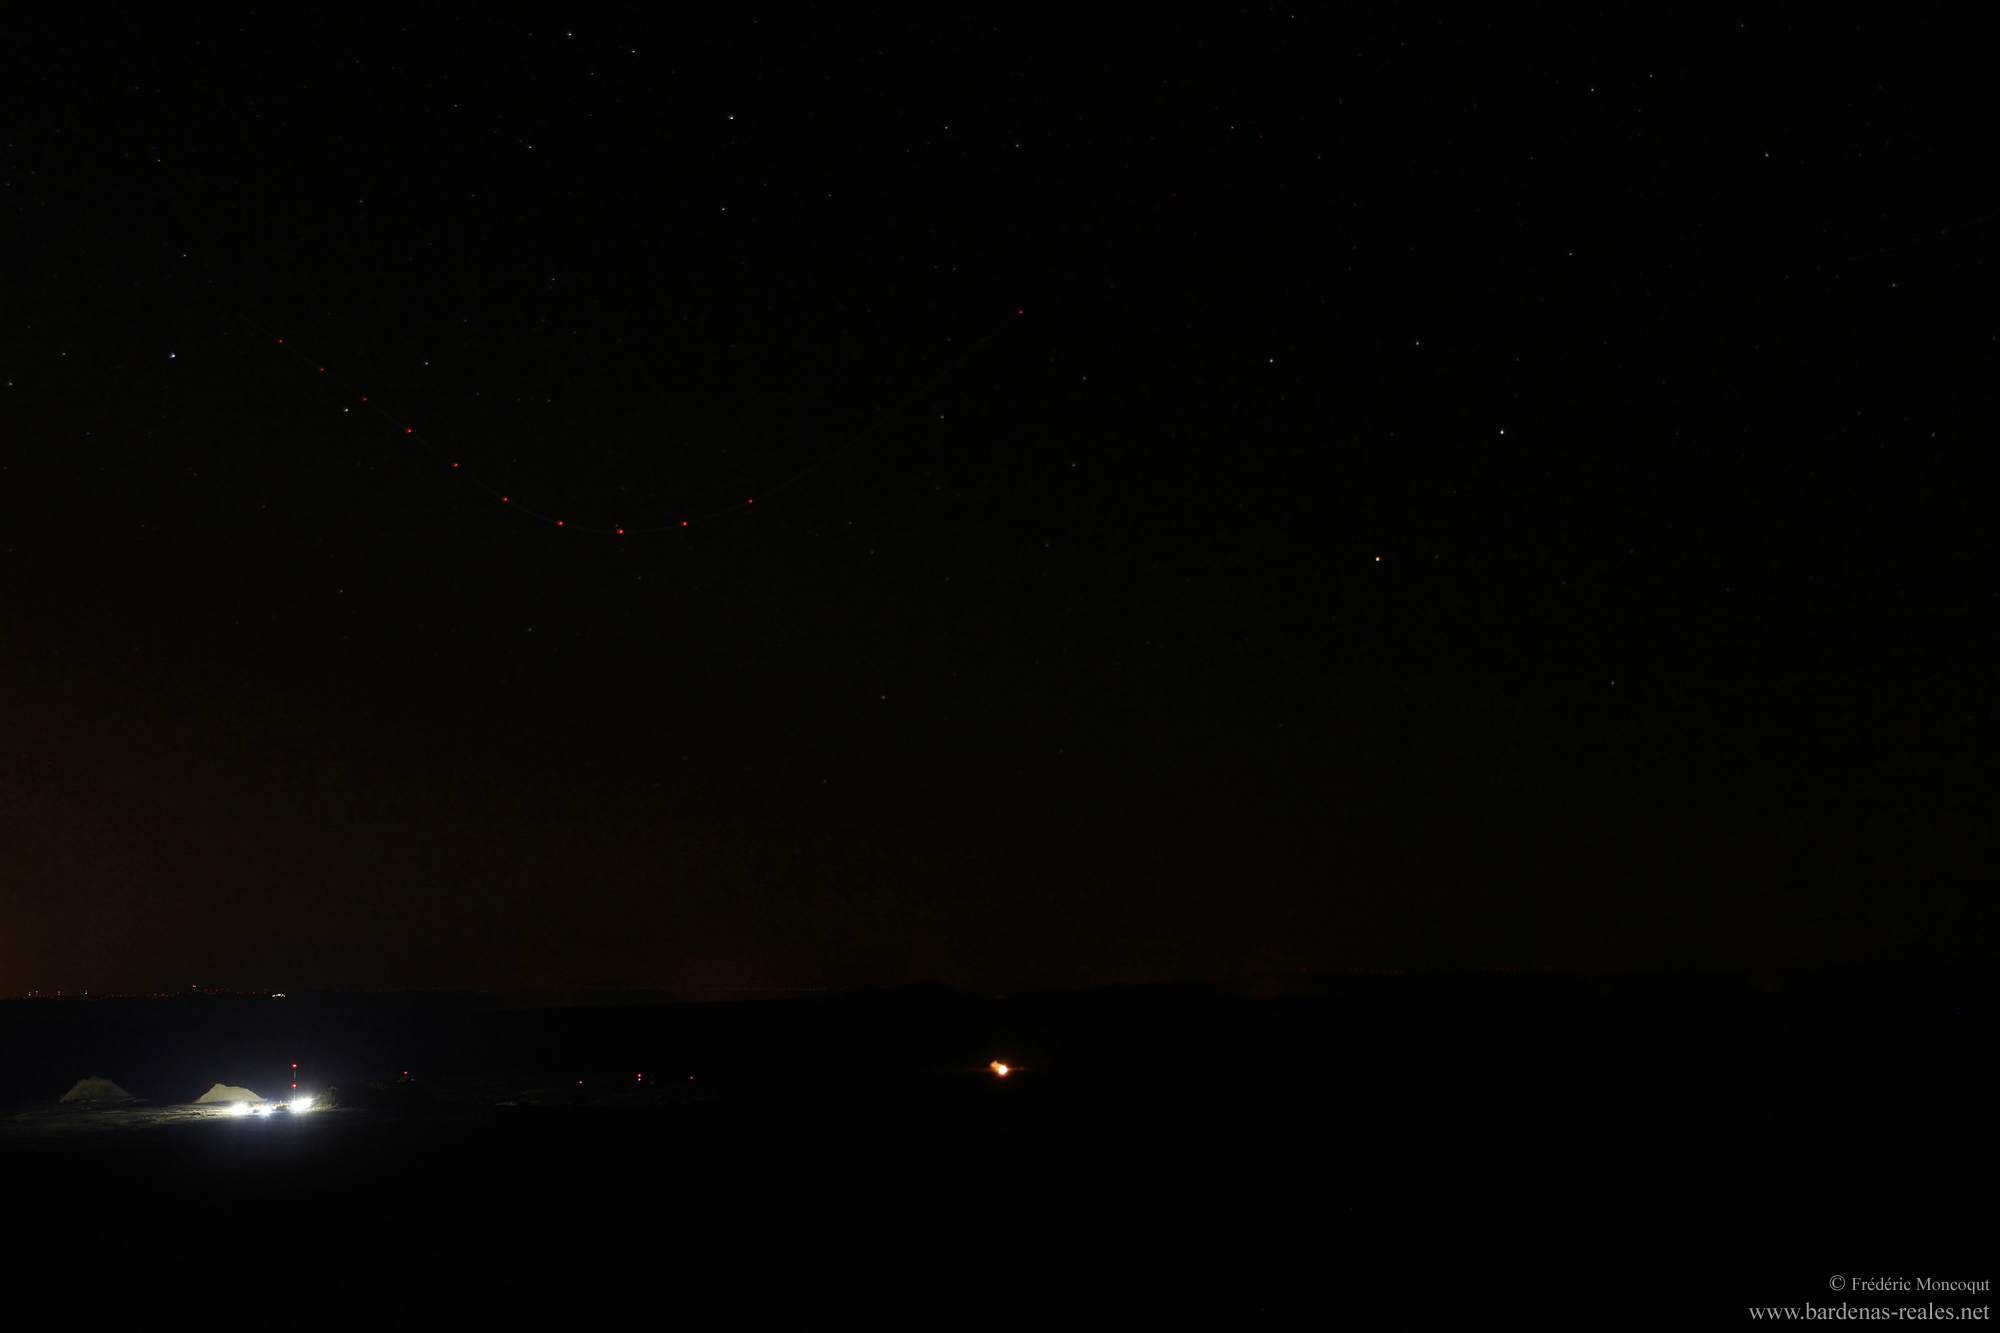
1219, 1137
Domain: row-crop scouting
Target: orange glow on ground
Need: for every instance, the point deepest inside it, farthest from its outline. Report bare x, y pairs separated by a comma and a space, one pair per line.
998, 1068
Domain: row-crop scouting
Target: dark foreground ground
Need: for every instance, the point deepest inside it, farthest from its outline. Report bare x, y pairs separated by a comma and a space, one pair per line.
1387, 1148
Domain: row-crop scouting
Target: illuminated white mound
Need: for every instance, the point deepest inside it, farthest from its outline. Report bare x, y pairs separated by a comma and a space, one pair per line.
222, 1092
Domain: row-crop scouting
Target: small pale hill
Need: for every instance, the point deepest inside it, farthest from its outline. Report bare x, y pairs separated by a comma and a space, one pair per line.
98, 1091
222, 1092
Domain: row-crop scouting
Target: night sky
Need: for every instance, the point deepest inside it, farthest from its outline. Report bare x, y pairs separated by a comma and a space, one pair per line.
1007, 502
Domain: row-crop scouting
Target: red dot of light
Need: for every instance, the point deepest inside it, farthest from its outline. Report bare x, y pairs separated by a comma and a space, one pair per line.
454, 465
684, 522
406, 430
558, 522
364, 400
503, 499
621, 530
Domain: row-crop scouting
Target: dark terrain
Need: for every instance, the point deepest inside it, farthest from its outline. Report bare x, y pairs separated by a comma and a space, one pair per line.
1586, 1147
